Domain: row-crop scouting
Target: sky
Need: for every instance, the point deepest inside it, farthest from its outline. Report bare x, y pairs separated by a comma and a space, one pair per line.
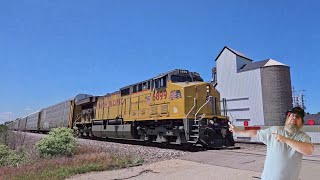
52, 50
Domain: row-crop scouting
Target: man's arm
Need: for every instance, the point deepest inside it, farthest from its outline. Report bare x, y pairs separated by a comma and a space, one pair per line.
302, 147
248, 133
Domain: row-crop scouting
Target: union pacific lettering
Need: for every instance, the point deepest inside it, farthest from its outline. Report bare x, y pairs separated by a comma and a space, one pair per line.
116, 102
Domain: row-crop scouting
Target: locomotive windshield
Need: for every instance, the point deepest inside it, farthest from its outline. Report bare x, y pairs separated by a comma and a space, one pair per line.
179, 78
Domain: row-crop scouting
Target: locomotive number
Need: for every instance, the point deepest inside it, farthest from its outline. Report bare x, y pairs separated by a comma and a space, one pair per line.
159, 95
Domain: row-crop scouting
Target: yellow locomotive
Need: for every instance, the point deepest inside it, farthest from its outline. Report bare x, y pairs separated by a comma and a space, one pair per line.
173, 107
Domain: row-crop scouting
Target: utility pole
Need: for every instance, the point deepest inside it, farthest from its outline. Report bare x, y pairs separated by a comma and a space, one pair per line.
298, 98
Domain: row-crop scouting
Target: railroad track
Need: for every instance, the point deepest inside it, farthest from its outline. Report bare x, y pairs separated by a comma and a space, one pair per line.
185, 147
189, 148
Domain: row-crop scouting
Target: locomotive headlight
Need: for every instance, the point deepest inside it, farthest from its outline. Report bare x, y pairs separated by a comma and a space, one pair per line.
211, 121
208, 89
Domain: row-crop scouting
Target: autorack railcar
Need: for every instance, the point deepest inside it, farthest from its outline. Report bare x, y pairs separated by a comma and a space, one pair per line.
33, 121
58, 115
16, 124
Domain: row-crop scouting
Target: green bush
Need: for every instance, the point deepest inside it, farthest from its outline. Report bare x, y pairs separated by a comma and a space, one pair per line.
60, 141
3, 134
9, 157
4, 154
3, 128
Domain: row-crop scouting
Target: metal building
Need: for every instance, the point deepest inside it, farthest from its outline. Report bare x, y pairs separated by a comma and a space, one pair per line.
256, 92
312, 117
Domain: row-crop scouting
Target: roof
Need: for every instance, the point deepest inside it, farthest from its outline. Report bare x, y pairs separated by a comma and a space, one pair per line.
233, 51
272, 62
260, 64
254, 65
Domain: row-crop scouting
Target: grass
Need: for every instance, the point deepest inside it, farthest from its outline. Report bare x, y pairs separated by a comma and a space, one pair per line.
85, 160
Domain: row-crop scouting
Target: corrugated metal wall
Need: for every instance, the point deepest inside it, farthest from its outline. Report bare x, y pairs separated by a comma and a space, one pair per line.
242, 90
276, 94
32, 123
22, 124
315, 136
55, 116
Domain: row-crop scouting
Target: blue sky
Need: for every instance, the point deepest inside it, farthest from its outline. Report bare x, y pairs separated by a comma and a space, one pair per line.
53, 50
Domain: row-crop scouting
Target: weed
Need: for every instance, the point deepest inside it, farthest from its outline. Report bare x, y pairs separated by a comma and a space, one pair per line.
85, 159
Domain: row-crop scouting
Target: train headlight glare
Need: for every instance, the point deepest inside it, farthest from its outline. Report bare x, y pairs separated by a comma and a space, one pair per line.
211, 121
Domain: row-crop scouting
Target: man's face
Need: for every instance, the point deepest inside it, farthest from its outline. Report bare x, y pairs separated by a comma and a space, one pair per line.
293, 123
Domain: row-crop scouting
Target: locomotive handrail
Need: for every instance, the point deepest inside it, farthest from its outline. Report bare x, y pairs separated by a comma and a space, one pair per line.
186, 120
195, 116
78, 118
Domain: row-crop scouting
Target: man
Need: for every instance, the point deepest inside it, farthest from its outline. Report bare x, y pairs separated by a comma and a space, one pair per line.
285, 146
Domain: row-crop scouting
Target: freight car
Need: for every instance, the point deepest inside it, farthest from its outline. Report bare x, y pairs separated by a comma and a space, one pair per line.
58, 115
32, 122
16, 124
174, 107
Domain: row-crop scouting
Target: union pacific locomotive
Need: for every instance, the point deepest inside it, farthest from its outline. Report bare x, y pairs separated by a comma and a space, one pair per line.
174, 107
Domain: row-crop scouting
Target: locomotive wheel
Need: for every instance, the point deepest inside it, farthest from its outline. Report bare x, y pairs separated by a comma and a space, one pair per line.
76, 133
150, 139
186, 145
169, 140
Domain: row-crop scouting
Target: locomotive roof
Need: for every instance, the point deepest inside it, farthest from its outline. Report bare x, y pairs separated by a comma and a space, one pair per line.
156, 77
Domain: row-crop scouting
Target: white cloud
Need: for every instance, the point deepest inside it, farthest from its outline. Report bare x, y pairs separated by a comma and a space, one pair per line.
28, 109
6, 113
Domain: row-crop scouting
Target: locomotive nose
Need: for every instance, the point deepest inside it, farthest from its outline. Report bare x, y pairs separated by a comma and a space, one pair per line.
216, 134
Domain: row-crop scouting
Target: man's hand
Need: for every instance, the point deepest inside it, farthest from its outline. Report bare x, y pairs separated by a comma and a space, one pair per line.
247, 133
233, 128
279, 137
